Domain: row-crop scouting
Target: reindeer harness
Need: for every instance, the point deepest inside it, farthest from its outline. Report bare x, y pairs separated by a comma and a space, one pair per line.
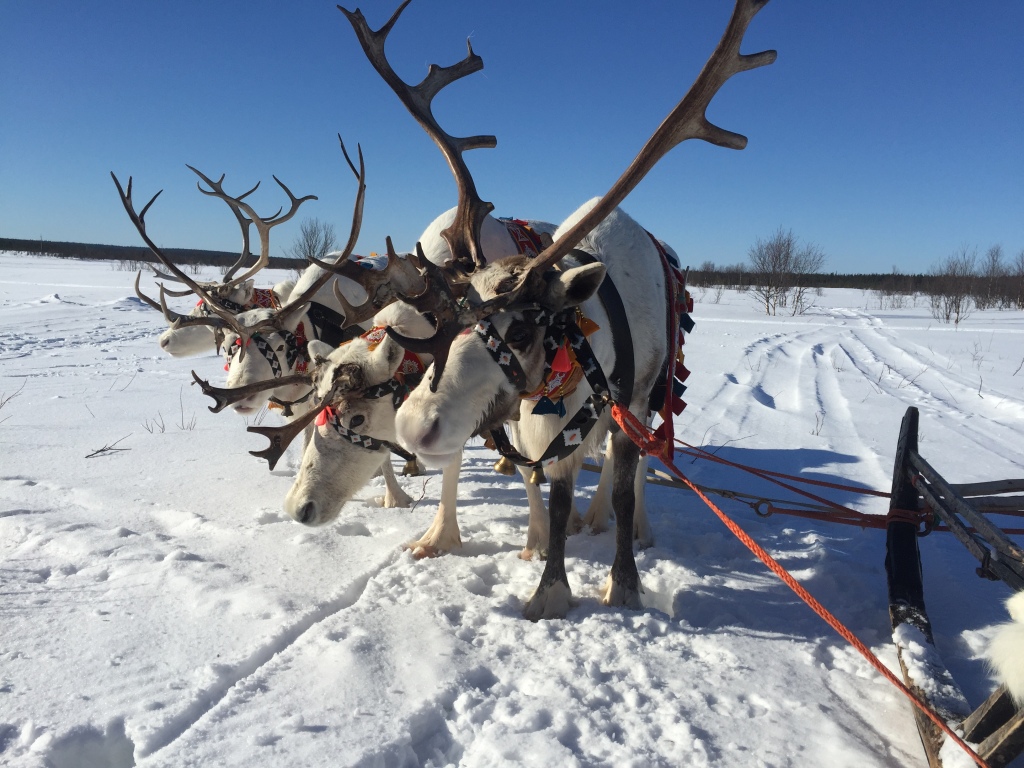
567, 352
409, 373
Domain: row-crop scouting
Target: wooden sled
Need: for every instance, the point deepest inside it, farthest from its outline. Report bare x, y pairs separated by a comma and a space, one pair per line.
996, 726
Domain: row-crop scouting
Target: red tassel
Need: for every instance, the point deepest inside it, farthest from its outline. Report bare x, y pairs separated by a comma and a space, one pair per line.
561, 363
324, 415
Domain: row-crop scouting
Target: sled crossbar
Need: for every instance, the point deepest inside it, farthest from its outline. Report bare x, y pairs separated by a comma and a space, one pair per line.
997, 726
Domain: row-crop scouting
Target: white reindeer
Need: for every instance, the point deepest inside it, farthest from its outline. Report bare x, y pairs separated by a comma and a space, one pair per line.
499, 341
474, 393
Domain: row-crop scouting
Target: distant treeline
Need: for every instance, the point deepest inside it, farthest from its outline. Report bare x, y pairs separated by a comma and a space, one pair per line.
134, 253
739, 277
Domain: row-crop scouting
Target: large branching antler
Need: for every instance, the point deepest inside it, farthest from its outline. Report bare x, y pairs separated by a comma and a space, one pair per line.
210, 294
687, 121
463, 236
139, 220
263, 225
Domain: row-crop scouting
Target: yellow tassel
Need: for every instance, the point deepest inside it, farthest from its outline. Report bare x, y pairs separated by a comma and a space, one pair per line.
504, 466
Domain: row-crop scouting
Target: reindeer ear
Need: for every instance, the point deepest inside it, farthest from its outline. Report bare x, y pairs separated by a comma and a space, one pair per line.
574, 286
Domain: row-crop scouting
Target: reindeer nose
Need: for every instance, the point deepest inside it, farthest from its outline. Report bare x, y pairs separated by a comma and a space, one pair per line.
164, 343
306, 514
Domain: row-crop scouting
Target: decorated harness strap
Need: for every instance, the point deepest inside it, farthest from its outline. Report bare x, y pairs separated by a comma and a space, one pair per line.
678, 324
330, 416
408, 374
262, 298
527, 241
295, 351
563, 336
228, 304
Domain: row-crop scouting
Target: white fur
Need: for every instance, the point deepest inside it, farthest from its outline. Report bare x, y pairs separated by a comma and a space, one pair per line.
1006, 653
333, 470
495, 241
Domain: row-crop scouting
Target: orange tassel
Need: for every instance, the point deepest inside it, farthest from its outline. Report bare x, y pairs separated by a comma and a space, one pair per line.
561, 363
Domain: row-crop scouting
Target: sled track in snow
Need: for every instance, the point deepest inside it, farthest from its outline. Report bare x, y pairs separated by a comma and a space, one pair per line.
208, 699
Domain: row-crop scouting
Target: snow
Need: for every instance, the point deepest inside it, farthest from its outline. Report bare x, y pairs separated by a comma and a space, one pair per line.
158, 608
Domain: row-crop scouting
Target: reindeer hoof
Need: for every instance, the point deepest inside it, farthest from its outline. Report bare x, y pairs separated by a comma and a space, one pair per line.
551, 602
598, 523
616, 595
423, 551
389, 501
575, 524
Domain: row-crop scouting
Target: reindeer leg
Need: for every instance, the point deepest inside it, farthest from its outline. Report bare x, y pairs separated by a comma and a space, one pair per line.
551, 598
443, 534
600, 507
394, 495
623, 585
642, 532
538, 531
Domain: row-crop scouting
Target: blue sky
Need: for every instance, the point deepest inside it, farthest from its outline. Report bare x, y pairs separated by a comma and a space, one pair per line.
889, 133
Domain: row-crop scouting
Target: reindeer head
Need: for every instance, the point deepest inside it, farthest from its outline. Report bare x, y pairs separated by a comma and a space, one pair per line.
498, 356
184, 339
276, 351
360, 386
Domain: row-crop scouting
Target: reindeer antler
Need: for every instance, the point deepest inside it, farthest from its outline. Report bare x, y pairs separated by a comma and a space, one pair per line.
225, 396
139, 220
263, 225
463, 236
687, 121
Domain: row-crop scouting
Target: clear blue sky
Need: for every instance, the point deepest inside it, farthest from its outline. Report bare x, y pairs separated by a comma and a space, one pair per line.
889, 133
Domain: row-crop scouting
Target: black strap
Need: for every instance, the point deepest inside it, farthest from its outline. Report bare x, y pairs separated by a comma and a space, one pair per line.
624, 371
327, 325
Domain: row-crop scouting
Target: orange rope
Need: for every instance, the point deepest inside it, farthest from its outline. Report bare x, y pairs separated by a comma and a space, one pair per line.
641, 435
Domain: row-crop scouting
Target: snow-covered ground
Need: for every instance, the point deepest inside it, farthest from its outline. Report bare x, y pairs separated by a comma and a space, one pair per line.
158, 609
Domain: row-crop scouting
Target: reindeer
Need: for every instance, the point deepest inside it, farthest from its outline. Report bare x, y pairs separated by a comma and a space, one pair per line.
507, 324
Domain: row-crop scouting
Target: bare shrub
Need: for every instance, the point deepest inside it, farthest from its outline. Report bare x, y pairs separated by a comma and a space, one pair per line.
316, 239
950, 294
780, 269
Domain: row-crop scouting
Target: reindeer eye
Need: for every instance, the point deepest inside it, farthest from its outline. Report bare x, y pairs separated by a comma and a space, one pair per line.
355, 421
518, 334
